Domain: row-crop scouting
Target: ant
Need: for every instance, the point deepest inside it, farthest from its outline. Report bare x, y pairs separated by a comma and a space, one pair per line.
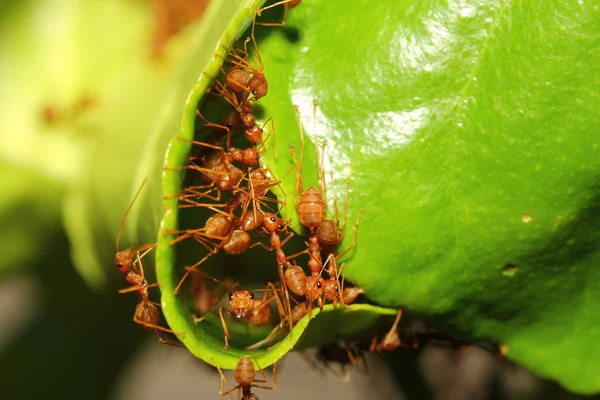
288, 4
146, 312
391, 340
53, 115
245, 376
221, 226
298, 312
245, 307
274, 226
347, 355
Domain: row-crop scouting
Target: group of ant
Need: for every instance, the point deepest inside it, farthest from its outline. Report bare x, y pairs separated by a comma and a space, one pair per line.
230, 184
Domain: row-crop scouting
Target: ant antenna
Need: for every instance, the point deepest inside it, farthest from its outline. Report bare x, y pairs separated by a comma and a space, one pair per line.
129, 209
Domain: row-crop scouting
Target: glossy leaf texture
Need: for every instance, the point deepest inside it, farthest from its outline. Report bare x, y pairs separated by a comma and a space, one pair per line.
468, 132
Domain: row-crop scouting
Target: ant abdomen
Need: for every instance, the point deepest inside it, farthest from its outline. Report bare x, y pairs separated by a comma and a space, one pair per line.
230, 179
311, 208
299, 312
329, 234
391, 341
238, 79
296, 279
148, 313
245, 372
251, 221
350, 294
218, 225
238, 242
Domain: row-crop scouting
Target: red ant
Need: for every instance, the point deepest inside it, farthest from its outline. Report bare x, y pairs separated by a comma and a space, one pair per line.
347, 355
390, 340
146, 312
298, 312
245, 307
274, 226
221, 226
288, 4
53, 115
245, 376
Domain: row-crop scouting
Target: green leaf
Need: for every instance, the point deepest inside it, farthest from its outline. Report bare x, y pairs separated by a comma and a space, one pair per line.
469, 134
204, 340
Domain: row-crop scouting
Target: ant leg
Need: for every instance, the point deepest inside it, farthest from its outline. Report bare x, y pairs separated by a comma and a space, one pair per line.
287, 294
213, 125
396, 322
373, 345
223, 380
216, 303
254, 42
285, 11
203, 144
129, 209
346, 206
225, 331
266, 340
264, 246
154, 326
290, 257
265, 376
131, 289
193, 267
342, 283
320, 162
271, 132
163, 341
355, 228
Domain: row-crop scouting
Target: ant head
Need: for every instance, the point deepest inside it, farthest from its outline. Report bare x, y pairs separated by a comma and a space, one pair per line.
237, 79
258, 85
314, 287
281, 225
330, 289
241, 302
270, 222
124, 259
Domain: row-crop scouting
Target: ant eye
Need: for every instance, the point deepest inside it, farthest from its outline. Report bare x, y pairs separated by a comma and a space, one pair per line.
273, 219
318, 285
280, 227
337, 289
119, 265
252, 296
230, 296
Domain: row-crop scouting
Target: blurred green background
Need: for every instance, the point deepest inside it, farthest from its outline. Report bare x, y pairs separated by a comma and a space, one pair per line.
76, 77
